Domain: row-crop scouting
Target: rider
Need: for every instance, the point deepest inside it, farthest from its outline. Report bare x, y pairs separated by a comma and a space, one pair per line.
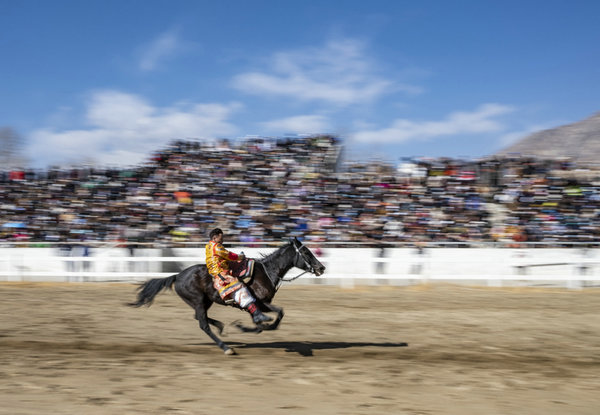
228, 286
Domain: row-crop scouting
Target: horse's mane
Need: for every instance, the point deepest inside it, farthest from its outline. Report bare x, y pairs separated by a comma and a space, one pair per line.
267, 257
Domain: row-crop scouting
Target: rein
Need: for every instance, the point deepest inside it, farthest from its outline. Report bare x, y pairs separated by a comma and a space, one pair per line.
293, 278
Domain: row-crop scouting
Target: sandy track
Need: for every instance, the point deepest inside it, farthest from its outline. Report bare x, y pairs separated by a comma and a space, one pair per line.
76, 348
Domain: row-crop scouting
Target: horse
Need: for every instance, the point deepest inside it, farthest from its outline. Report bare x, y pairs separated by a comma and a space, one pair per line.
195, 287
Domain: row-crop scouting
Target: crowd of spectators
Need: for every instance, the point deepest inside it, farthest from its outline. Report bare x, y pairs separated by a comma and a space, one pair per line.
542, 204
265, 190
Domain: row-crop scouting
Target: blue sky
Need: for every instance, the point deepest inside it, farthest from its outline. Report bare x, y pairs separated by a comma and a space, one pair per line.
110, 81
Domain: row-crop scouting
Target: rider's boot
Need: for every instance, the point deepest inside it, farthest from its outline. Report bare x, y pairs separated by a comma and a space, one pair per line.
257, 315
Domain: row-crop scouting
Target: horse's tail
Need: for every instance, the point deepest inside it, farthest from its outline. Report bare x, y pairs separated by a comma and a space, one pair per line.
149, 289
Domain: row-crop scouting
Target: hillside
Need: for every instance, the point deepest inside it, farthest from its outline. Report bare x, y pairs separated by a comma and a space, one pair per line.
579, 141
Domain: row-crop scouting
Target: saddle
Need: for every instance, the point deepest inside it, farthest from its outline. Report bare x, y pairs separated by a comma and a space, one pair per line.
243, 270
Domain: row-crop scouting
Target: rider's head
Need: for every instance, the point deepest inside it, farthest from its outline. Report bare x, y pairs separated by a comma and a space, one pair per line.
216, 235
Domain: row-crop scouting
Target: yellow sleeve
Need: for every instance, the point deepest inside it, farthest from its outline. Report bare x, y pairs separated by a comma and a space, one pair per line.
224, 253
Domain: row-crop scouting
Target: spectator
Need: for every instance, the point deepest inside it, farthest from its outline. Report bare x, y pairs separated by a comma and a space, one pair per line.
264, 190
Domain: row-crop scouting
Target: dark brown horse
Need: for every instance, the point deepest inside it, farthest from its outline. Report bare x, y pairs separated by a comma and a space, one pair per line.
195, 286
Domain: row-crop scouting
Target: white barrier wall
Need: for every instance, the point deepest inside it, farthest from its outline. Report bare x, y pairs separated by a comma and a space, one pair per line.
346, 266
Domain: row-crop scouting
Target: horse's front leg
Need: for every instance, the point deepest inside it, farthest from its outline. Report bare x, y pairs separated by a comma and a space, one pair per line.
274, 325
203, 321
261, 327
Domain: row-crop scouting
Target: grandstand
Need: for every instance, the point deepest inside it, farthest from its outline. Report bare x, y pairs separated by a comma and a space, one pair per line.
265, 189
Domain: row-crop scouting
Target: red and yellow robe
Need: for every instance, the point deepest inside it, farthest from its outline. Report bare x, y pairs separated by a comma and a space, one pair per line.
217, 262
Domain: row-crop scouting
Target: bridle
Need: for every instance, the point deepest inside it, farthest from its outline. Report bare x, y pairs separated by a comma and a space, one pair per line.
307, 263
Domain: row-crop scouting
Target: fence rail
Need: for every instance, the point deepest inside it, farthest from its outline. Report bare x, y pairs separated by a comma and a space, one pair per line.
562, 243
574, 268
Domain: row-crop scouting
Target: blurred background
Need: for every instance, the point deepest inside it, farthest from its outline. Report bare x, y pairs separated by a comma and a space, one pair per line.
387, 124
265, 190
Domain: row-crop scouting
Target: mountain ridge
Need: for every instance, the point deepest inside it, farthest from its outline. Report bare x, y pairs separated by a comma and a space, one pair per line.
579, 141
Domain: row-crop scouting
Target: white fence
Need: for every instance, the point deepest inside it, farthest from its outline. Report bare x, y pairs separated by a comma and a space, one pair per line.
571, 267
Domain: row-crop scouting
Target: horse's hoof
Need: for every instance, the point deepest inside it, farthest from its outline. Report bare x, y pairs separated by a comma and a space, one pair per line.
229, 352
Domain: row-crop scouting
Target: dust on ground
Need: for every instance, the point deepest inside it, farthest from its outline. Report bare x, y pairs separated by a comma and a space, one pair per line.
440, 349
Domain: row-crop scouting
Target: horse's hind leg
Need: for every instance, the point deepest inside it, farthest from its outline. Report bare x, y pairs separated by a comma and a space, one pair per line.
203, 321
220, 326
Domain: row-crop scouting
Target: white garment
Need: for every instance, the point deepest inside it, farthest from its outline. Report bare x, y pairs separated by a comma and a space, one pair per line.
243, 297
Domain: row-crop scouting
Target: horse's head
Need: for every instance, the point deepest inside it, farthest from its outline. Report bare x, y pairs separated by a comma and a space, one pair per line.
305, 259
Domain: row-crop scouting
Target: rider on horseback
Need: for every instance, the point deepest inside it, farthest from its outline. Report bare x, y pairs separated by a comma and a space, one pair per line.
227, 284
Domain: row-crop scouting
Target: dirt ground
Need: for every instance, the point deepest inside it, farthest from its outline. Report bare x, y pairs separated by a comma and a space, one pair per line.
440, 349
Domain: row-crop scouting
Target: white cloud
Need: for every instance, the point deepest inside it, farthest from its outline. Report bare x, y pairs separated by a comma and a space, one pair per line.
482, 120
300, 124
125, 128
339, 73
163, 47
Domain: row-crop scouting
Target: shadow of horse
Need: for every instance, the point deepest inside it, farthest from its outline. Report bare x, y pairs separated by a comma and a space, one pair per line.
304, 348
307, 348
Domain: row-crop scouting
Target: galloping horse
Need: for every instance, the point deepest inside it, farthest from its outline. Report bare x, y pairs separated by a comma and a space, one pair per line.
195, 286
